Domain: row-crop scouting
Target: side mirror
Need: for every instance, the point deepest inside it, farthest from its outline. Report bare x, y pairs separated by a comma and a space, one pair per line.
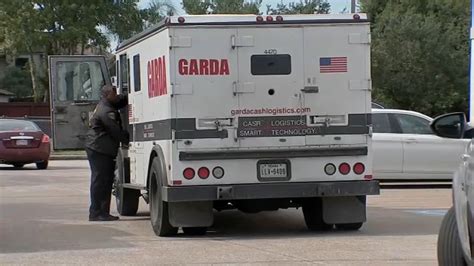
451, 125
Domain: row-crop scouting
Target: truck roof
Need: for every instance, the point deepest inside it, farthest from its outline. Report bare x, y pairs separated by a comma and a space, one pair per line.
235, 20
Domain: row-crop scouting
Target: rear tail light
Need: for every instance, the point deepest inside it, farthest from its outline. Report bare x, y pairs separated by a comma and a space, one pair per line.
45, 139
330, 169
189, 173
368, 177
359, 168
181, 20
269, 18
344, 168
259, 19
203, 172
218, 172
279, 18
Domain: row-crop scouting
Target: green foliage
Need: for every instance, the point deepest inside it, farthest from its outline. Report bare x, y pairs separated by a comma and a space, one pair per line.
200, 7
17, 81
301, 7
420, 54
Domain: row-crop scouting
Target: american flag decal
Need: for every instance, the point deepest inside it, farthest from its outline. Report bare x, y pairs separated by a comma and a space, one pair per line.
332, 64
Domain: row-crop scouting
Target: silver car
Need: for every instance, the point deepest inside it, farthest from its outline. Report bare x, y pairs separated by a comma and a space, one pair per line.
456, 235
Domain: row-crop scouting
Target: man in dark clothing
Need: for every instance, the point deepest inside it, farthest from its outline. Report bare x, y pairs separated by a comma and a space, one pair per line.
104, 138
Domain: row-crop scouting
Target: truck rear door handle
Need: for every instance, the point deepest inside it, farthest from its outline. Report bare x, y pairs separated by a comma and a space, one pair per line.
411, 141
310, 89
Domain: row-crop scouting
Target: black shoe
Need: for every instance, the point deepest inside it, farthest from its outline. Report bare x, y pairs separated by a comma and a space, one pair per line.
103, 218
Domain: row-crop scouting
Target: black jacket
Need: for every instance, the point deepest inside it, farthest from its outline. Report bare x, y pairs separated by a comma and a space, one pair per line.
106, 132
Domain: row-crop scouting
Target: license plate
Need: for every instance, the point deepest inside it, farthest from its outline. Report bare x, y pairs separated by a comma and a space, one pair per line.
273, 170
22, 142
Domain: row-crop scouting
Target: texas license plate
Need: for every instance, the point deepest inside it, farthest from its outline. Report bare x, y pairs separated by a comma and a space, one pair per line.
273, 170
22, 142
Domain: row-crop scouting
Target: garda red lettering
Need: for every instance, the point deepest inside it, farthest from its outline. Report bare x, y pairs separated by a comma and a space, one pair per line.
203, 67
156, 72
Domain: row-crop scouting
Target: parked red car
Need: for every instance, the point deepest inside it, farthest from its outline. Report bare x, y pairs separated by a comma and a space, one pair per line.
22, 142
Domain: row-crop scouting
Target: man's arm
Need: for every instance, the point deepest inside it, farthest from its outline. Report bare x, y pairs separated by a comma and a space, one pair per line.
123, 101
113, 128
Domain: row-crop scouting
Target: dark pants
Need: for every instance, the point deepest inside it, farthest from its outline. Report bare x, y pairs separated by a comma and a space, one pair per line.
102, 178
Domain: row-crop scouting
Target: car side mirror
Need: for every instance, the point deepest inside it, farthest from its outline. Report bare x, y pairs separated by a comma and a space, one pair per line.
451, 125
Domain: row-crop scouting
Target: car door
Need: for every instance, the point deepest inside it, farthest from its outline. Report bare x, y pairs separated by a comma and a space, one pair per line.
426, 154
387, 147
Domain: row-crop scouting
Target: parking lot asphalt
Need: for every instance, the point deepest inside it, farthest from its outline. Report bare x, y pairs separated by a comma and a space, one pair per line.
43, 220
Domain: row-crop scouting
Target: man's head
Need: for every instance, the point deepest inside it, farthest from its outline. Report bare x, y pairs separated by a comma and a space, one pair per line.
109, 93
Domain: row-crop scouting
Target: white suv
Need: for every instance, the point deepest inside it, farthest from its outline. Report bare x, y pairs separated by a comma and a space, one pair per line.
456, 235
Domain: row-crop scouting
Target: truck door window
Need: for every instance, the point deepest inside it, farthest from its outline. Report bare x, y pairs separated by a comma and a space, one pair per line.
271, 64
124, 77
136, 73
79, 81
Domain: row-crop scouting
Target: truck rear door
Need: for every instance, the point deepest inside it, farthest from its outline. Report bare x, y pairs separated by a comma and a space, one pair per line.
269, 87
205, 72
75, 83
337, 83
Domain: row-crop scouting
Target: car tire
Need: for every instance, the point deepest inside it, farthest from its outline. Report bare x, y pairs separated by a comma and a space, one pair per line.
195, 231
126, 199
159, 215
449, 245
313, 215
42, 165
18, 165
349, 227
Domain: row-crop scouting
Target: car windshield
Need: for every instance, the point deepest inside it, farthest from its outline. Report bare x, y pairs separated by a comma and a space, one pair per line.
17, 125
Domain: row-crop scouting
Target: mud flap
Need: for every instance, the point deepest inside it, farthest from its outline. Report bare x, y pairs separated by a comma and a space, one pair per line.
191, 214
343, 210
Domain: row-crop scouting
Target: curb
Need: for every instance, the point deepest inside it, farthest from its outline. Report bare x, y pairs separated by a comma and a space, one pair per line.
67, 157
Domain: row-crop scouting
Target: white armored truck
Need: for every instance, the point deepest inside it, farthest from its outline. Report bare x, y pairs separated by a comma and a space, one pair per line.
249, 112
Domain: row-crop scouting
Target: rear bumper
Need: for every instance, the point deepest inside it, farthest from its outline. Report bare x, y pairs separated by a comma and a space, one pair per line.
27, 155
270, 191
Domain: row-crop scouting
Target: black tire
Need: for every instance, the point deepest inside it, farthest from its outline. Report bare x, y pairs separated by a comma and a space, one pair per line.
18, 165
449, 245
158, 208
313, 215
349, 227
126, 199
195, 231
42, 165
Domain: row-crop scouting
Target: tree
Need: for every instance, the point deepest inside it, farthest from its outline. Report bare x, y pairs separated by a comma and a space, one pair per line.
156, 11
199, 7
17, 81
63, 27
420, 54
301, 7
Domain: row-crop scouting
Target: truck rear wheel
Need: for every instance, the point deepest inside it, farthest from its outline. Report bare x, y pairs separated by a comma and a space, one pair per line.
313, 215
126, 199
449, 245
158, 208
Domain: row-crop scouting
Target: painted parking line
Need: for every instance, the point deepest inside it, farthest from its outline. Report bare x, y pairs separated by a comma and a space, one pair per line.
432, 212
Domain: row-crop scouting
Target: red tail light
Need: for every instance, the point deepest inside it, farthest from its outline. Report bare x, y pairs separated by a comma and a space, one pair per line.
368, 177
259, 19
279, 18
45, 139
189, 173
344, 168
181, 20
359, 168
269, 18
203, 172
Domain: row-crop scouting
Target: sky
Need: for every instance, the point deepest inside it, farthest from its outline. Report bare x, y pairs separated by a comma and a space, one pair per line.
336, 5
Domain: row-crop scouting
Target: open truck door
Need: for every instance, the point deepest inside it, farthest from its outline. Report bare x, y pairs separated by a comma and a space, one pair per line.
75, 83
